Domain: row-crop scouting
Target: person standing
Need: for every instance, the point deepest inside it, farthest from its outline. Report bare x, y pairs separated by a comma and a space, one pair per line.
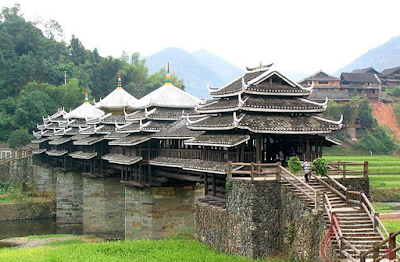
306, 165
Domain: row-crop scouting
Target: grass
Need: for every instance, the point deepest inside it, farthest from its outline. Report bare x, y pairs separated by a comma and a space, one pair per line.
385, 207
392, 226
64, 242
132, 251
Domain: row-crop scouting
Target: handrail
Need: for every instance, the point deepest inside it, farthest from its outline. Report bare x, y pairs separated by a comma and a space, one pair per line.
316, 199
337, 183
337, 192
392, 242
345, 171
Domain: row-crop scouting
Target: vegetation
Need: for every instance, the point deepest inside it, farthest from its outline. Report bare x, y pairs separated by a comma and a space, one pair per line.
138, 250
392, 226
32, 67
294, 164
320, 166
386, 208
372, 137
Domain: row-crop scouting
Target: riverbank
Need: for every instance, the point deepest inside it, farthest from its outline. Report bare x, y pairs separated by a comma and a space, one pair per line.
28, 210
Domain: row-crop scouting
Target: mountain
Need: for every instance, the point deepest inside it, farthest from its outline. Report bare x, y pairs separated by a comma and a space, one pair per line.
382, 57
197, 69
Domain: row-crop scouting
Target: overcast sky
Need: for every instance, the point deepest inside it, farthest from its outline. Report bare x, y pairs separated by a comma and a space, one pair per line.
300, 35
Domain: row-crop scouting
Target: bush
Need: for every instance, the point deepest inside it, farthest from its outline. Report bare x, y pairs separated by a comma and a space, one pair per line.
320, 166
294, 164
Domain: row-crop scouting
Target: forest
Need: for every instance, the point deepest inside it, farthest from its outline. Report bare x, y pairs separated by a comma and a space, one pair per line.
34, 60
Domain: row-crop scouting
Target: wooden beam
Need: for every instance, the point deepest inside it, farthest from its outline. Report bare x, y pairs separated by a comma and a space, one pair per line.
179, 176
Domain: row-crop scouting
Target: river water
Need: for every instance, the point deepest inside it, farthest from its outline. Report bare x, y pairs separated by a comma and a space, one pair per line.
20, 228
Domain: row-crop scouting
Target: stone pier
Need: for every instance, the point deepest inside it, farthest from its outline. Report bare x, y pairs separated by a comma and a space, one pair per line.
103, 207
159, 212
69, 197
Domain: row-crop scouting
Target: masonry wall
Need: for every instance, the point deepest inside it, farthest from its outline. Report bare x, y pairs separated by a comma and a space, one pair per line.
260, 220
16, 171
103, 207
44, 178
69, 197
155, 213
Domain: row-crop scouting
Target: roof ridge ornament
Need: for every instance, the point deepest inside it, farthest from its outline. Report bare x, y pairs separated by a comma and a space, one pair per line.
168, 80
119, 82
244, 85
310, 88
324, 104
241, 101
260, 67
196, 121
339, 122
211, 89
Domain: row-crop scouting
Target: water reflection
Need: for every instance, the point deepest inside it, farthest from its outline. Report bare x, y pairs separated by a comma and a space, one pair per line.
22, 228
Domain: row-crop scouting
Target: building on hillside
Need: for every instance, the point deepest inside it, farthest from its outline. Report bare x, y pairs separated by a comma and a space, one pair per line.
367, 70
390, 77
325, 87
363, 84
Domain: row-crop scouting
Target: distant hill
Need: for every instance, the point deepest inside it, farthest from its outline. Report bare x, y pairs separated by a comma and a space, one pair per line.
382, 57
197, 69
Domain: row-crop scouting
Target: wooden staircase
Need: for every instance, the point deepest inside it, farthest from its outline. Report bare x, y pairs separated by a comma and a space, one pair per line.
354, 223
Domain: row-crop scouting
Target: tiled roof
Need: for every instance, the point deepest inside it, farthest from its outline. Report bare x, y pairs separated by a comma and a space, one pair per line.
167, 96
87, 141
163, 113
78, 122
121, 159
150, 126
72, 131
83, 111
105, 129
190, 164
222, 140
321, 95
89, 130
83, 155
320, 76
55, 152
177, 130
117, 99
112, 119
359, 78
273, 123
39, 140
79, 136
139, 114
115, 135
390, 71
60, 141
369, 70
39, 151
48, 133
131, 140
261, 103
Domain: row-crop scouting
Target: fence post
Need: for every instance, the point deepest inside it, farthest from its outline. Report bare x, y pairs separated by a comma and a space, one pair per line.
252, 171
365, 169
259, 166
376, 225
347, 198
392, 246
278, 171
375, 253
344, 170
229, 169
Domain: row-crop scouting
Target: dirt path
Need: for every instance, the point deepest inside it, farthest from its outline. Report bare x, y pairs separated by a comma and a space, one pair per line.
24, 242
385, 116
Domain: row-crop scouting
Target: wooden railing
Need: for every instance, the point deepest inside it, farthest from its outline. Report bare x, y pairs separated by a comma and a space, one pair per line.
392, 249
207, 155
342, 168
254, 170
19, 154
363, 203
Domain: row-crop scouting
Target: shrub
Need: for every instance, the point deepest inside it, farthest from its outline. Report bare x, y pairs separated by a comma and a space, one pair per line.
320, 166
294, 164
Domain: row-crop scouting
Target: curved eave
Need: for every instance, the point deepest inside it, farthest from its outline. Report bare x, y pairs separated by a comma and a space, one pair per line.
204, 170
260, 109
277, 93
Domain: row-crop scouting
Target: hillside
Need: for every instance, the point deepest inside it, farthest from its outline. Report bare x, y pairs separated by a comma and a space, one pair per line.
382, 57
197, 69
384, 114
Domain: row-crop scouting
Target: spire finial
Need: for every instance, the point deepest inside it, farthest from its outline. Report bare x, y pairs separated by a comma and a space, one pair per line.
119, 80
168, 77
86, 96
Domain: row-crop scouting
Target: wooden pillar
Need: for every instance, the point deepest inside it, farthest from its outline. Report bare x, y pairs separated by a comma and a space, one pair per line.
205, 184
258, 148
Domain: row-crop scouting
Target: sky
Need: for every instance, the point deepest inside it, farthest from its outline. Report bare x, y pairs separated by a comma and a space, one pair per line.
305, 36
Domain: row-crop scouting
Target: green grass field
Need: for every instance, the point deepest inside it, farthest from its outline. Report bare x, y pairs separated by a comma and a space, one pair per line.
384, 171
137, 250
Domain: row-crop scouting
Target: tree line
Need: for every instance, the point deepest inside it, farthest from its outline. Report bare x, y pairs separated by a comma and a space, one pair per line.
33, 65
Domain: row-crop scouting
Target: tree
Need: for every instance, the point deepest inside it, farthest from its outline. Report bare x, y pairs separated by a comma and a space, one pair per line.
19, 137
365, 114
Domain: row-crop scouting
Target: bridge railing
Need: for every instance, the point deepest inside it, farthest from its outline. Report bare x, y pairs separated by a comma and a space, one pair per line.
19, 154
348, 168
